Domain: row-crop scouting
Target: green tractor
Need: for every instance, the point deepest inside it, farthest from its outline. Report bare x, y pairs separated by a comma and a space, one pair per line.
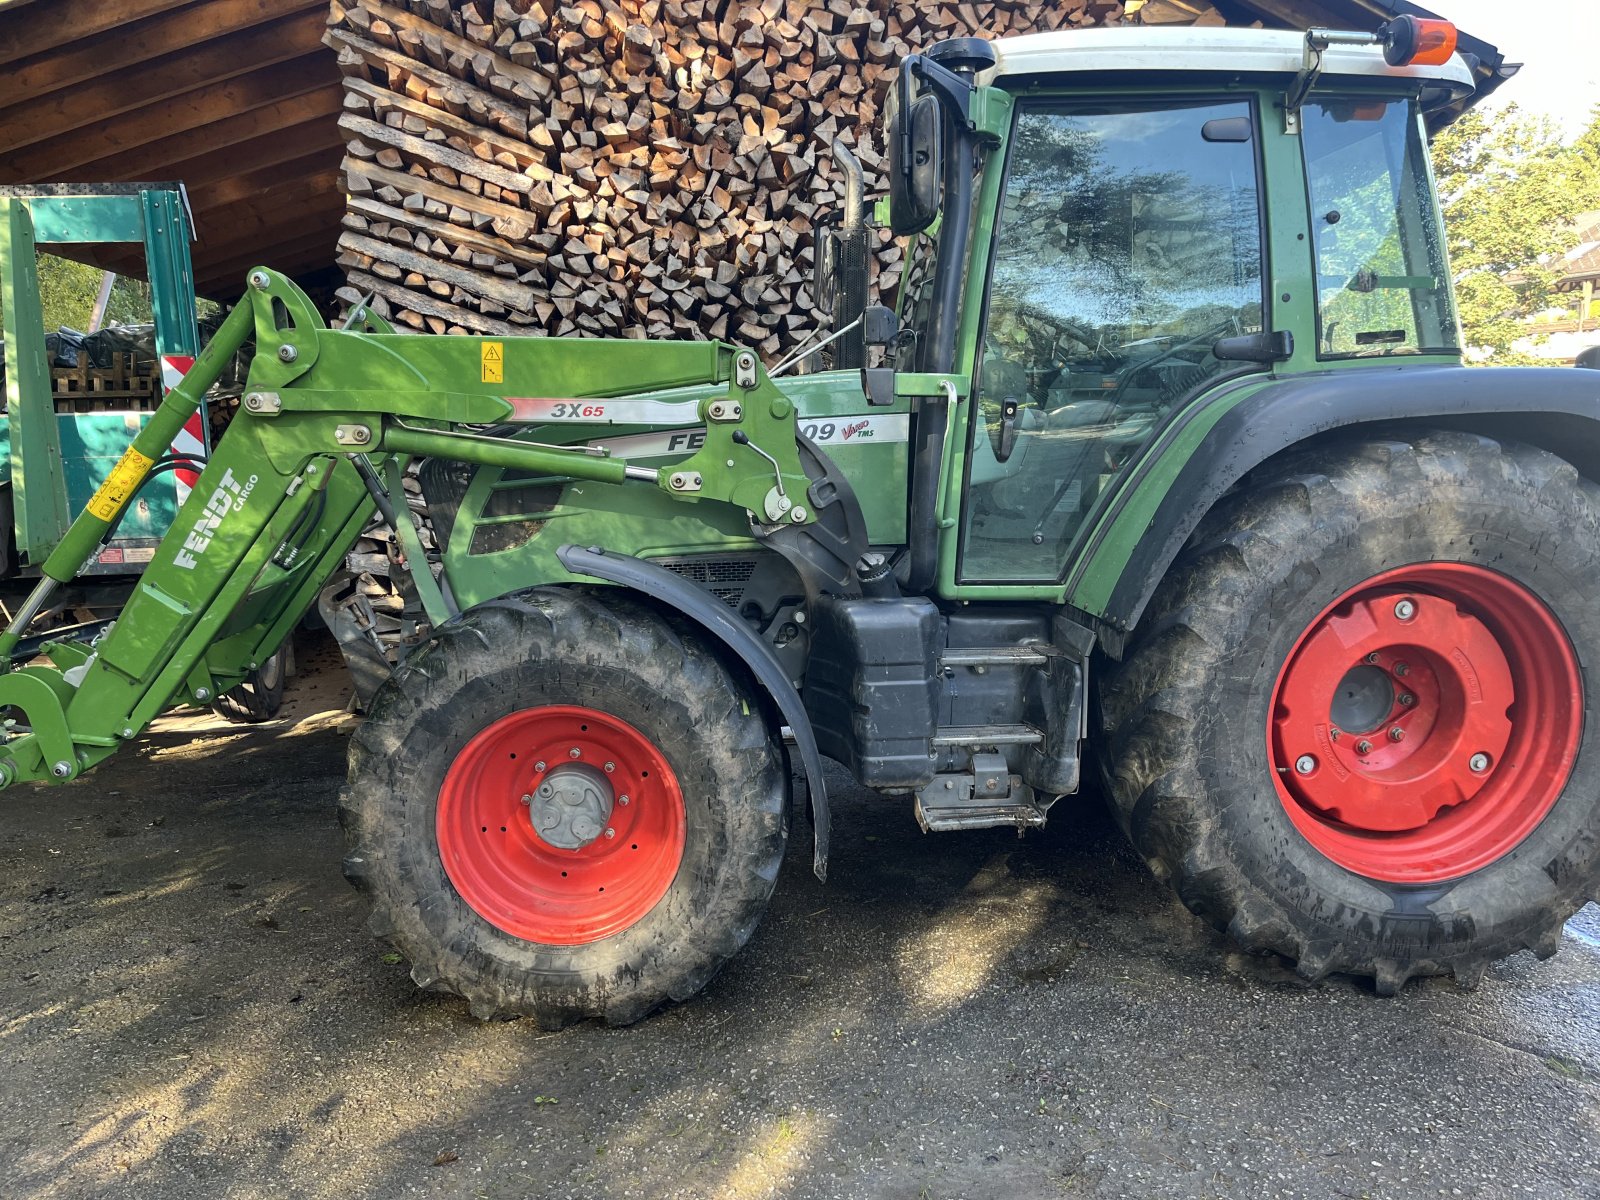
1168, 453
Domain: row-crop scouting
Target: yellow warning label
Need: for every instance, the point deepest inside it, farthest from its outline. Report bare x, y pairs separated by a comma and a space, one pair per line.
119, 485
494, 363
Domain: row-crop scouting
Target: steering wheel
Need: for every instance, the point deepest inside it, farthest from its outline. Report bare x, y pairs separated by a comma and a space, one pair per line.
1043, 334
1204, 338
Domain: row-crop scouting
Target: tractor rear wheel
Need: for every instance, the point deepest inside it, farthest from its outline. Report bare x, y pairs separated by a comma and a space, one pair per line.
564, 807
1358, 728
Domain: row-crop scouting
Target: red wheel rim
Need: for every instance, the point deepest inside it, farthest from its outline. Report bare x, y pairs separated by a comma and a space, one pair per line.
561, 825
1468, 701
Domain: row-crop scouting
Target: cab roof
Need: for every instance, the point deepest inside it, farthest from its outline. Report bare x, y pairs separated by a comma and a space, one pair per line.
1217, 50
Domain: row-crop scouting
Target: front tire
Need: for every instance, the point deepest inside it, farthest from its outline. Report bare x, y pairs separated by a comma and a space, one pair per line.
1437, 597
564, 807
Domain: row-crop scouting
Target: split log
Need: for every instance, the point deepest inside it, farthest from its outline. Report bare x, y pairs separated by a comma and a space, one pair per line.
627, 168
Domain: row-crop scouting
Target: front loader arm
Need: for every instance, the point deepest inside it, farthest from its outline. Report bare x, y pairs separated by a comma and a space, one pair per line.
293, 482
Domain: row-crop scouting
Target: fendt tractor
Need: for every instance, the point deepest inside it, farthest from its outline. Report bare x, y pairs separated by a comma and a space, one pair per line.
1167, 453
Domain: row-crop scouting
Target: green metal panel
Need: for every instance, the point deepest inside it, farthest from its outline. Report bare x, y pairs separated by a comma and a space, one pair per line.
88, 218
166, 235
868, 445
38, 482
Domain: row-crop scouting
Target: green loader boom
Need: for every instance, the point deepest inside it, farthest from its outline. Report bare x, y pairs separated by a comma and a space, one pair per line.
328, 425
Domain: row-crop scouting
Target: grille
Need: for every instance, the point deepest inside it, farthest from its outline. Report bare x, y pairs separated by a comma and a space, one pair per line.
725, 577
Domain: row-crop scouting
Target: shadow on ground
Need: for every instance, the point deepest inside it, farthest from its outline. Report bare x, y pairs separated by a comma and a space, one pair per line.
190, 1006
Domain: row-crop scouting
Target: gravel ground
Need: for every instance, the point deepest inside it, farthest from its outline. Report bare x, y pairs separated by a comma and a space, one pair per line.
190, 1006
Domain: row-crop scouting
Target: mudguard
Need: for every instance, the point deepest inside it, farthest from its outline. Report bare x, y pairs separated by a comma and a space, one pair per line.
661, 585
1555, 409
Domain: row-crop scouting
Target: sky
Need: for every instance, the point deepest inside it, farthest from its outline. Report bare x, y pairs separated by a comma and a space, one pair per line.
1558, 41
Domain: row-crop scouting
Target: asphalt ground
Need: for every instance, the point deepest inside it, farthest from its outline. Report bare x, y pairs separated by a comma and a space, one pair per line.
190, 1006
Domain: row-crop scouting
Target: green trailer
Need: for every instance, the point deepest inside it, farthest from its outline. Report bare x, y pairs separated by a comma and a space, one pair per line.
54, 457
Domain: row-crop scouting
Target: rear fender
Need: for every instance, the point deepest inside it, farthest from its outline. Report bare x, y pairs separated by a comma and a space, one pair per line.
660, 586
1114, 578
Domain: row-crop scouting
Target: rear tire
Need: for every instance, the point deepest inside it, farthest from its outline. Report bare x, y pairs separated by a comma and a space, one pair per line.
1216, 771
495, 891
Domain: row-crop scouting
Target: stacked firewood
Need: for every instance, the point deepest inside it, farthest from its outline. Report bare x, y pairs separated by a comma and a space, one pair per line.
637, 168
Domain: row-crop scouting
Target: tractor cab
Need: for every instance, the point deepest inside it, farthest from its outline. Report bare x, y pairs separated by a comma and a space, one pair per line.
1109, 227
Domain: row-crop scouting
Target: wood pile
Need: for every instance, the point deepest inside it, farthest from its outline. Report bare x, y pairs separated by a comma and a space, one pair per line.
637, 168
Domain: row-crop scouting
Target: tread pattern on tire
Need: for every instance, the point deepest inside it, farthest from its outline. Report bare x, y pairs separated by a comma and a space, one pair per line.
1156, 704
581, 633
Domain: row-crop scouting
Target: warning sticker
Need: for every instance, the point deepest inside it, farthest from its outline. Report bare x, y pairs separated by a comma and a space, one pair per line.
119, 485
494, 364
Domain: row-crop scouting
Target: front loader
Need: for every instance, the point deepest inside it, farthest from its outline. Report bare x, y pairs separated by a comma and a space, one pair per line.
1169, 452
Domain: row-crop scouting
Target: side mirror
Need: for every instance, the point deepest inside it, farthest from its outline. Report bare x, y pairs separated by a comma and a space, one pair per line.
916, 158
824, 269
1589, 358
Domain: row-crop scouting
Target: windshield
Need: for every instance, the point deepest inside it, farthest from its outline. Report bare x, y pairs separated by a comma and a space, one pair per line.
1381, 276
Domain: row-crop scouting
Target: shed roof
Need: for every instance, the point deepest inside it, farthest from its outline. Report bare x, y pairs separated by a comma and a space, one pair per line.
238, 99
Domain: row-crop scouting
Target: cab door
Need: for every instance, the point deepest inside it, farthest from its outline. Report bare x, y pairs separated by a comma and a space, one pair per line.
1129, 239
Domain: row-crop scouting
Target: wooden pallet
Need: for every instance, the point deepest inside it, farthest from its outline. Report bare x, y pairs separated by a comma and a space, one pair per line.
123, 385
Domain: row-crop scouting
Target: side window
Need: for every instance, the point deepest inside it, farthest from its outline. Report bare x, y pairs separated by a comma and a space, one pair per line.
1128, 242
1381, 285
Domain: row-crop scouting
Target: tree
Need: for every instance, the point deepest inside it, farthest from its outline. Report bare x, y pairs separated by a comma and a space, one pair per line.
67, 292
1510, 189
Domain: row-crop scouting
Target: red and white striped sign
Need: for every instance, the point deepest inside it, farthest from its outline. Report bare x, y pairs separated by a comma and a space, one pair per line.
190, 442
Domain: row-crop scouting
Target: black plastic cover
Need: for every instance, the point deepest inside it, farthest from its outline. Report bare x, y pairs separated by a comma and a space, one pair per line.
872, 687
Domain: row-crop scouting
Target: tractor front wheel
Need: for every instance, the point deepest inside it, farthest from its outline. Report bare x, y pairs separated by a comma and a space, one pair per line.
565, 807
1360, 729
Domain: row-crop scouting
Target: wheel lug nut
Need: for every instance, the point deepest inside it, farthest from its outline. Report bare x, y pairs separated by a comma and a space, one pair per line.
574, 753
611, 833
1363, 747
1479, 762
1373, 657
1335, 733
1402, 669
610, 767
1305, 764
1397, 734
622, 799
527, 799
1407, 699
539, 766
1405, 609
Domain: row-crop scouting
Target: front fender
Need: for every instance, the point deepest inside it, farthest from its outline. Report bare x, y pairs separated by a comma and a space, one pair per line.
662, 586
1207, 448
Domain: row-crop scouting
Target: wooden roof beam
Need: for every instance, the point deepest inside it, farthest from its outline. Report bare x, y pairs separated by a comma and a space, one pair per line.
313, 115
120, 49
62, 158
53, 116
29, 27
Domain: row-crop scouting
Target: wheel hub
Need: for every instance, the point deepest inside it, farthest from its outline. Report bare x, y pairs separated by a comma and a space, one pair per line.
1425, 722
561, 824
571, 806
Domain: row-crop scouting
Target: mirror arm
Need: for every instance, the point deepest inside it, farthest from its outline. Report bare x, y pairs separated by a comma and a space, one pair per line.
953, 91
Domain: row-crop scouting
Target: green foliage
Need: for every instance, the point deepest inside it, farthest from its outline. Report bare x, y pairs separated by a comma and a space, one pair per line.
1510, 190
67, 292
